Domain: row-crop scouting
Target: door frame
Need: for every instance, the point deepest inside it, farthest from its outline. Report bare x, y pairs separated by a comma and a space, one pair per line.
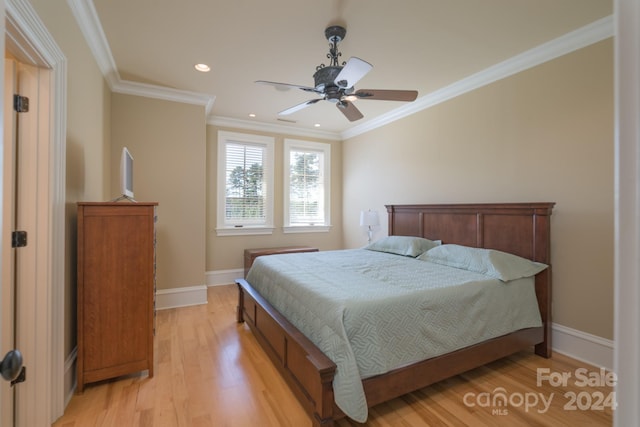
7, 294
627, 212
27, 38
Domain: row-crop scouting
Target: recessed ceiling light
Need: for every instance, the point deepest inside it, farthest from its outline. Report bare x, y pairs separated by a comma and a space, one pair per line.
204, 68
252, 115
317, 125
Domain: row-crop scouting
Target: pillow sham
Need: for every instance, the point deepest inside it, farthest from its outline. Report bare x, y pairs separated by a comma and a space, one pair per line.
493, 263
403, 245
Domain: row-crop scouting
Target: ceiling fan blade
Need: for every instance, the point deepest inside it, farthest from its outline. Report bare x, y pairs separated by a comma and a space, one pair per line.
387, 95
286, 86
349, 110
353, 70
298, 107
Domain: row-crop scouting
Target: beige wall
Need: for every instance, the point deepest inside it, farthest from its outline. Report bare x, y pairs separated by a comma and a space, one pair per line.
88, 137
545, 134
226, 252
168, 143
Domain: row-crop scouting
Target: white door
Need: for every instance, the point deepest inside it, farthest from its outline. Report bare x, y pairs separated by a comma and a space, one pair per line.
8, 226
41, 303
19, 272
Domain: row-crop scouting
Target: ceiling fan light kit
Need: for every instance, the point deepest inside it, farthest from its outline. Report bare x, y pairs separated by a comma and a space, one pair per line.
335, 82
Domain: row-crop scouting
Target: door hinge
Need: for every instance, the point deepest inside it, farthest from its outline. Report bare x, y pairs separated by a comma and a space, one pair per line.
20, 103
18, 239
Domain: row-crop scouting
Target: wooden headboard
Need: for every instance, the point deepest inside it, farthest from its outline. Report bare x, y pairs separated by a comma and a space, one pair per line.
518, 228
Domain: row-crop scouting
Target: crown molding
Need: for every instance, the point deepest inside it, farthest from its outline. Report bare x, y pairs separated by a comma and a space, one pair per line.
271, 128
89, 23
589, 34
87, 18
165, 93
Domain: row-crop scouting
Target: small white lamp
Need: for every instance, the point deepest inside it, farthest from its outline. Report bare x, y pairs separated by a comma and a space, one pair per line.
369, 219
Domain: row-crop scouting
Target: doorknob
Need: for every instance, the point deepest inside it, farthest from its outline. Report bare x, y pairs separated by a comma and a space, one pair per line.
11, 365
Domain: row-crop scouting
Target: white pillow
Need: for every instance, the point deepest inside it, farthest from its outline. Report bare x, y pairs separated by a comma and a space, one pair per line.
497, 264
403, 245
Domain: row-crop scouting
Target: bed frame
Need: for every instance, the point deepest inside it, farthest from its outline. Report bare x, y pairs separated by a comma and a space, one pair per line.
519, 228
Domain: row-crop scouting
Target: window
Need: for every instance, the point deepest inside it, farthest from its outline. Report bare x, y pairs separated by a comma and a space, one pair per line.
245, 184
306, 186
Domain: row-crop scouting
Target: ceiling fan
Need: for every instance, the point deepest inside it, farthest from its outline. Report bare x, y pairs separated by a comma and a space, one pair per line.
335, 82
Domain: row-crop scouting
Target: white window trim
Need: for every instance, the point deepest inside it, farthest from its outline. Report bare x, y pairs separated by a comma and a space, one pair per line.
290, 144
244, 231
226, 230
306, 229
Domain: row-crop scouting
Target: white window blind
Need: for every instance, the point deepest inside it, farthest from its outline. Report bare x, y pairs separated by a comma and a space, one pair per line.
307, 186
245, 184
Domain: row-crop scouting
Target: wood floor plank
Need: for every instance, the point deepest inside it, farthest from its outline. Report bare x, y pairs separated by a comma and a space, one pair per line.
210, 371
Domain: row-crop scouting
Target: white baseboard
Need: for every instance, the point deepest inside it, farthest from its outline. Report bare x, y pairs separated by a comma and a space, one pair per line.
181, 297
195, 295
223, 277
70, 378
582, 346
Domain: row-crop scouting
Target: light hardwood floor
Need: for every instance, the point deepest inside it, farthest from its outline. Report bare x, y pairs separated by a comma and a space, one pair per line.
210, 371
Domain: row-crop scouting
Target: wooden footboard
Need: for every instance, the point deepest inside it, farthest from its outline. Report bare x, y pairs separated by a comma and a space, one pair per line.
401, 381
304, 367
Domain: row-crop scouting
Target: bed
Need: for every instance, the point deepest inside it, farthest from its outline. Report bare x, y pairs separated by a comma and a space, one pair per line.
522, 229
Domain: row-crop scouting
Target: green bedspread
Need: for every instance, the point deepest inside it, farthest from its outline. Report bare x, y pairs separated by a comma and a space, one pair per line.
371, 312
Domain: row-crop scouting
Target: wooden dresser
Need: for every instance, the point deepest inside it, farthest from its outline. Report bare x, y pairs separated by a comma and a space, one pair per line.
116, 281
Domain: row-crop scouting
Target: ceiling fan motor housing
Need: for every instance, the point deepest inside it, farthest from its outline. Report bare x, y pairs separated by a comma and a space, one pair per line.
325, 77
324, 80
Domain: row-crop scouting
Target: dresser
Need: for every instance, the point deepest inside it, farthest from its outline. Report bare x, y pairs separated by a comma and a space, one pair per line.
116, 289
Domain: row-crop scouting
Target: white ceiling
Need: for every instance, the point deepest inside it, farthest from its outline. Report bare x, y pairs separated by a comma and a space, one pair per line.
413, 44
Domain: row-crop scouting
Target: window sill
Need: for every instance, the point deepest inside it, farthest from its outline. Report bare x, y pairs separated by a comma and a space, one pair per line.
306, 229
244, 231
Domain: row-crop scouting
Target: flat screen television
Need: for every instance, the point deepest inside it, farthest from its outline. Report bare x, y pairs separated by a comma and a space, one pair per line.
126, 173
